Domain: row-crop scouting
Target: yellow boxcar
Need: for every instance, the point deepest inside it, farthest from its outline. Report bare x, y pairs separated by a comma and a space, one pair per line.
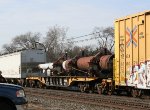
132, 51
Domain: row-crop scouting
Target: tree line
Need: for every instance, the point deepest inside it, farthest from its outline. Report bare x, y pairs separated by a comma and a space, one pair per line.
55, 42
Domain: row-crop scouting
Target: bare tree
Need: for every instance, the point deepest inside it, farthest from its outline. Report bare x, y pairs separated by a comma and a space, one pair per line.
106, 37
55, 41
24, 41
8, 48
27, 40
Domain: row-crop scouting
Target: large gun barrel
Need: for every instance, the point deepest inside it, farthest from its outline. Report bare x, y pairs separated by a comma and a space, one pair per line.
94, 65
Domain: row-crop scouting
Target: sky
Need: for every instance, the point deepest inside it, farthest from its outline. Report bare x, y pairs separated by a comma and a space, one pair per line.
79, 16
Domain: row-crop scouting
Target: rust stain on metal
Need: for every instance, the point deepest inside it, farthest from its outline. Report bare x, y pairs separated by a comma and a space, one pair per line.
83, 63
105, 61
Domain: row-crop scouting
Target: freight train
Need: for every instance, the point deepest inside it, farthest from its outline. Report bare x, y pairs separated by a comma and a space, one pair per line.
128, 70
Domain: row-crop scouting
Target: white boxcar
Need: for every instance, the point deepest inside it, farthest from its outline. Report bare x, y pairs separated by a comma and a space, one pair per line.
21, 64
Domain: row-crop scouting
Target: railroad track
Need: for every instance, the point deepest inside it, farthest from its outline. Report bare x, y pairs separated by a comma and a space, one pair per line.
114, 102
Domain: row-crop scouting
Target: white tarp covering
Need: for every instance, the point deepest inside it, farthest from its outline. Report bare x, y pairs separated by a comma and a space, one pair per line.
46, 66
50, 66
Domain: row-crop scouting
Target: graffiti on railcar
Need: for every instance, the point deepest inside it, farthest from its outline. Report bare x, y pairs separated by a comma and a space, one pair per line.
139, 75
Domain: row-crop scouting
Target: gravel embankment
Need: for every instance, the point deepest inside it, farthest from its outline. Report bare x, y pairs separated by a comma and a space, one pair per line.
40, 103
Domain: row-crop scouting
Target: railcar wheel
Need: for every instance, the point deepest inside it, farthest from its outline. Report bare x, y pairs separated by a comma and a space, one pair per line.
109, 93
82, 87
140, 93
134, 93
99, 90
40, 85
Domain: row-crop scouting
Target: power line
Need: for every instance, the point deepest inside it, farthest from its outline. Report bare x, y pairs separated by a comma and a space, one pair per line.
84, 40
83, 36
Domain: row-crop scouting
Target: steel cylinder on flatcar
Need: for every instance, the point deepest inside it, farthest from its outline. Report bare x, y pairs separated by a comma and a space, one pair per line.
65, 65
84, 62
106, 62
